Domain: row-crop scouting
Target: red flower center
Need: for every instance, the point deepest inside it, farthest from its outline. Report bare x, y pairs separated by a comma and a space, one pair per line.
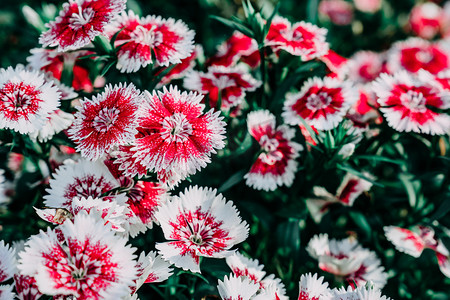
413, 100
318, 101
18, 100
105, 119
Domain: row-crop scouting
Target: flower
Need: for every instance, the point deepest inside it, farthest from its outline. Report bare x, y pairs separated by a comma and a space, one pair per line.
6, 292
426, 19
276, 164
348, 259
322, 103
368, 6
79, 22
359, 293
339, 12
81, 179
170, 40
199, 223
88, 262
106, 121
346, 194
237, 288
313, 288
415, 54
300, 39
228, 84
364, 66
409, 103
26, 287
250, 268
56, 122
26, 99
151, 268
174, 135
180, 70
7, 262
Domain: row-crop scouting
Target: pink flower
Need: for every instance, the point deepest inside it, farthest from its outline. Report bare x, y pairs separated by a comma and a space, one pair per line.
26, 100
170, 40
174, 135
26, 287
199, 223
321, 102
335, 63
313, 288
106, 121
408, 103
276, 164
237, 47
346, 258
365, 110
415, 54
368, 6
230, 84
88, 262
339, 12
301, 39
364, 66
79, 22
426, 19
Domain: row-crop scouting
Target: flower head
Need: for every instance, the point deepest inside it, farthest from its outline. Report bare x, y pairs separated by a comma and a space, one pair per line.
174, 135
79, 22
426, 19
313, 288
26, 99
89, 262
276, 164
151, 268
409, 103
339, 12
106, 121
360, 293
7, 262
364, 66
170, 40
301, 39
199, 223
237, 288
321, 102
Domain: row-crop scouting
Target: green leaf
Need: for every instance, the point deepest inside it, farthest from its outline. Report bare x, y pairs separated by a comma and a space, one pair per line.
442, 210
232, 181
234, 25
361, 221
410, 187
194, 274
107, 67
311, 9
379, 158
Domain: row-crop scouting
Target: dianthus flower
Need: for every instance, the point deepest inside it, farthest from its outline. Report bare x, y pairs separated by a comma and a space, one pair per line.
359, 293
276, 165
88, 262
409, 103
426, 19
7, 262
174, 135
199, 223
237, 288
313, 288
300, 39
79, 22
322, 103
364, 66
106, 121
26, 99
170, 40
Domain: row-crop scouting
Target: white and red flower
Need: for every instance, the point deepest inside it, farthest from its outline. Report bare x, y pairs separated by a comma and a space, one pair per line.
359, 293
300, 39
270, 286
106, 121
228, 84
82, 179
56, 122
339, 12
238, 47
426, 19
237, 288
276, 165
348, 191
365, 109
199, 223
79, 22
175, 136
26, 99
313, 288
413, 242
170, 40
412, 103
346, 258
88, 262
415, 54
7, 262
365, 66
181, 69
151, 268
26, 288
322, 103
335, 63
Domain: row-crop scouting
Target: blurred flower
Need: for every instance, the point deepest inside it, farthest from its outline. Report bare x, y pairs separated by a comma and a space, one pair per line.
6, 292
174, 135
228, 84
408, 103
348, 259
322, 103
364, 111
3, 192
275, 165
415, 54
79, 22
339, 12
199, 223
426, 20
300, 39
26, 100
237, 288
365, 66
88, 262
7, 262
313, 288
335, 63
169, 40
106, 121
369, 6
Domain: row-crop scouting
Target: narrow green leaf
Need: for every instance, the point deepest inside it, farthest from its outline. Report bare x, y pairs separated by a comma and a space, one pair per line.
361, 221
232, 181
107, 67
379, 158
410, 189
234, 25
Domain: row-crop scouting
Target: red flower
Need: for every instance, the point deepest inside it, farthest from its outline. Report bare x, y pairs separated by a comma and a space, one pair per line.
426, 19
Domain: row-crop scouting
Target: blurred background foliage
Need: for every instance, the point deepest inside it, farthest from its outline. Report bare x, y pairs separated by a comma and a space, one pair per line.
412, 182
